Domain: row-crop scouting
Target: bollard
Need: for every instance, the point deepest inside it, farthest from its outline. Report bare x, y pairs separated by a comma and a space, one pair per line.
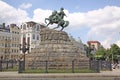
106, 65
20, 69
73, 66
101, 67
90, 64
6, 64
94, 64
12, 64
46, 66
98, 66
110, 65
1, 65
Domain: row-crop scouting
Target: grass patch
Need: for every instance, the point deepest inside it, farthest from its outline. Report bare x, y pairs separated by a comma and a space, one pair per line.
105, 69
34, 71
11, 69
84, 71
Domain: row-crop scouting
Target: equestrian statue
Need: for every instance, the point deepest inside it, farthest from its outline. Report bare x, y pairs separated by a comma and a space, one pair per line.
57, 18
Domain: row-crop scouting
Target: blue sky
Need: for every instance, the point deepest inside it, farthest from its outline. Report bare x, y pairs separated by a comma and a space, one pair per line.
71, 5
89, 19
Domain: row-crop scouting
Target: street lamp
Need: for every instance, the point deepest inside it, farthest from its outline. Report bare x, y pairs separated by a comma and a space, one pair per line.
24, 48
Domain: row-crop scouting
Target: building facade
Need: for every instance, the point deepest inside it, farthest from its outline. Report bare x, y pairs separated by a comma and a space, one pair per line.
15, 40
5, 41
9, 41
94, 44
30, 34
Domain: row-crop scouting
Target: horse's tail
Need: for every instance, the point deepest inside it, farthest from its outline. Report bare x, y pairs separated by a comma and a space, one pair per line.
66, 24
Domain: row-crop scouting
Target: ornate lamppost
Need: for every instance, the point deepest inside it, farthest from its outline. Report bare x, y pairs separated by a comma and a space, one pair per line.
24, 48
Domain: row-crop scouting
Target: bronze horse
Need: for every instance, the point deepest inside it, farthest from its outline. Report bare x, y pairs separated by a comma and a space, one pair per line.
55, 18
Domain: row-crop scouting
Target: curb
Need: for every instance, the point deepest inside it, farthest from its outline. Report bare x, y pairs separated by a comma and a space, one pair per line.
56, 75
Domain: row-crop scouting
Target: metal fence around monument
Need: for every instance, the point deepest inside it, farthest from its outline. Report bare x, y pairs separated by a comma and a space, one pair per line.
51, 66
58, 66
69, 66
8, 64
100, 65
105, 65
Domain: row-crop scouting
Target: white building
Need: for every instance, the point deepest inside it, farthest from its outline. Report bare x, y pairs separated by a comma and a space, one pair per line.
30, 34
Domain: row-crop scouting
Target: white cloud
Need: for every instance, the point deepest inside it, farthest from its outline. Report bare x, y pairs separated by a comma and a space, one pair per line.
118, 43
10, 14
25, 5
40, 15
102, 24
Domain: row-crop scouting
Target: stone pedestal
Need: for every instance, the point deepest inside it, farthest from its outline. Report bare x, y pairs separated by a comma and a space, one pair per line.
55, 46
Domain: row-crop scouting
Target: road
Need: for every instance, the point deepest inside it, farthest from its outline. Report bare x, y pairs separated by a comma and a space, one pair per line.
104, 75
75, 78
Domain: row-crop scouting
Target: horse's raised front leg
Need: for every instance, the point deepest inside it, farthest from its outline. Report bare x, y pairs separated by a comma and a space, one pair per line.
62, 28
45, 20
48, 24
56, 27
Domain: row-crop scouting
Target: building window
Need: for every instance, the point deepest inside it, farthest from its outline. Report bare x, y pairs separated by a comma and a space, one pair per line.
24, 26
33, 36
38, 28
24, 40
28, 40
14, 51
37, 37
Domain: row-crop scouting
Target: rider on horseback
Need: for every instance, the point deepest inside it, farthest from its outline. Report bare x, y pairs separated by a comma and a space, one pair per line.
53, 16
58, 18
61, 13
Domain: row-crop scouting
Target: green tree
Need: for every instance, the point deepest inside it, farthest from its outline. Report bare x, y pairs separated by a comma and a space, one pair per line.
100, 53
108, 54
115, 51
88, 51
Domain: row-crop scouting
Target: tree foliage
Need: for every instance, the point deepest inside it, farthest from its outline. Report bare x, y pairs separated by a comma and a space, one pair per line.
109, 54
113, 53
101, 53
